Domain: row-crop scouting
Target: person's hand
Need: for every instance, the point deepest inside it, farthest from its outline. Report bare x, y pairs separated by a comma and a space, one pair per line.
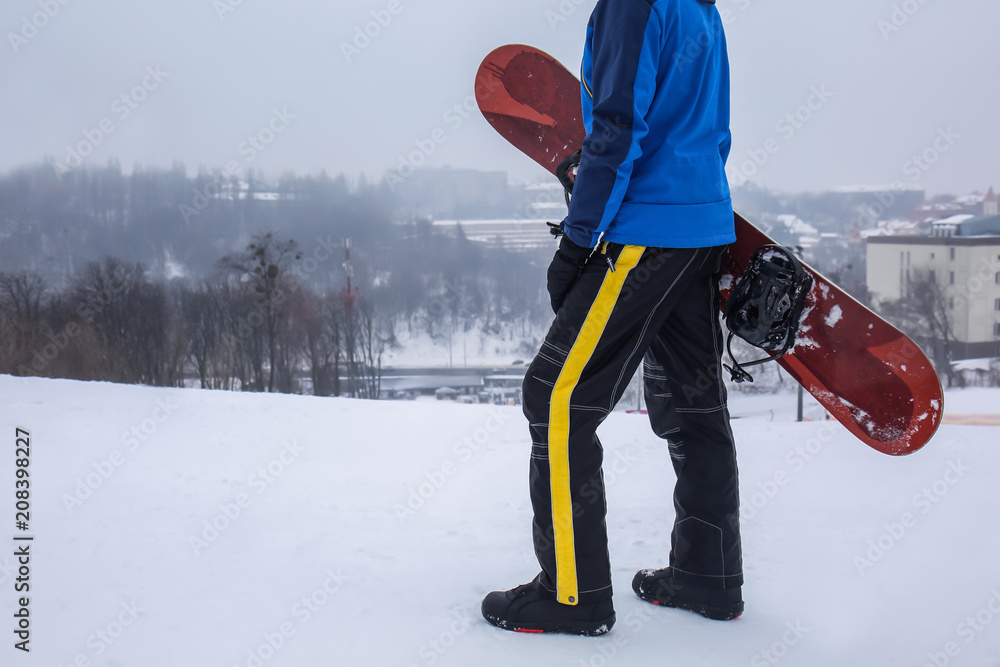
564, 269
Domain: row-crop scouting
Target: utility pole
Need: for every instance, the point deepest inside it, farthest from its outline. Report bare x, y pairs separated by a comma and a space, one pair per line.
350, 295
801, 396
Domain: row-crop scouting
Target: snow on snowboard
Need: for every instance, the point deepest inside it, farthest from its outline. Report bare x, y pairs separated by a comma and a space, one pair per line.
865, 372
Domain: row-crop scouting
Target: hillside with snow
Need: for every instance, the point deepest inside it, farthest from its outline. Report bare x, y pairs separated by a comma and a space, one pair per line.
189, 527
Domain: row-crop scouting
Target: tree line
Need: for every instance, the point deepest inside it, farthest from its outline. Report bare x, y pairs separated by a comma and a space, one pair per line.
54, 223
253, 327
159, 278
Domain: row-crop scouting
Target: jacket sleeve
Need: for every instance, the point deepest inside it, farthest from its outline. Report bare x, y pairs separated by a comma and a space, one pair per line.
619, 76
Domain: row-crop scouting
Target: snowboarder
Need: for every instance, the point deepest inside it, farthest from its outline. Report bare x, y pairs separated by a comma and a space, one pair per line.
635, 279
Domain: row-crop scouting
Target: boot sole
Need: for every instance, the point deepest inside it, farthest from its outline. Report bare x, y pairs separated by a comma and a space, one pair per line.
714, 613
583, 628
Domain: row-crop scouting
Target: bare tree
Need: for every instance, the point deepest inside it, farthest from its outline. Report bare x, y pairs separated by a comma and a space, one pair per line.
175, 363
263, 266
320, 321
365, 343
291, 340
244, 336
923, 314
130, 318
21, 320
334, 324
373, 345
21, 295
202, 325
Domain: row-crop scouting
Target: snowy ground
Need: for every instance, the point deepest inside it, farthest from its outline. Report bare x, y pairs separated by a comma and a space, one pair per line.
463, 348
187, 527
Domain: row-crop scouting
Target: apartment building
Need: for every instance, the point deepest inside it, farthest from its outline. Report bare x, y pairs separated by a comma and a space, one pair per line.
962, 254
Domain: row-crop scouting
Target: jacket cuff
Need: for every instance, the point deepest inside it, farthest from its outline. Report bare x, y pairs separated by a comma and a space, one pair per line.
573, 252
580, 239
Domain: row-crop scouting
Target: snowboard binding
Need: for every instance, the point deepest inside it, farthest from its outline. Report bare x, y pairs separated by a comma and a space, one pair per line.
766, 305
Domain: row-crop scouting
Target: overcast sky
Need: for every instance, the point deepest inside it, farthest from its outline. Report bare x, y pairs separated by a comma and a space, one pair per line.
200, 77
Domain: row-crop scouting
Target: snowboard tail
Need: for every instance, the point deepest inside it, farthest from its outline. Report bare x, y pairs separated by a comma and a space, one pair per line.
866, 373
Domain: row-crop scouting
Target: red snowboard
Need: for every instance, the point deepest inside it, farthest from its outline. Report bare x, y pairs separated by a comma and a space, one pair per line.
865, 372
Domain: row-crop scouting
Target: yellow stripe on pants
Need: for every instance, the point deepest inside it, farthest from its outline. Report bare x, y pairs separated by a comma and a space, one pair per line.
559, 477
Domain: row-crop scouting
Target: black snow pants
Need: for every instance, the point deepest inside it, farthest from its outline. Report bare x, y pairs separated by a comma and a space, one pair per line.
630, 304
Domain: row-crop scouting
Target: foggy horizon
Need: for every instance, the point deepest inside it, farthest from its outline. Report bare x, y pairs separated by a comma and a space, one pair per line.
861, 93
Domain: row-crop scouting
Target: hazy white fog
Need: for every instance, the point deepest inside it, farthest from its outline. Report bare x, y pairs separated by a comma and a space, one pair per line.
886, 79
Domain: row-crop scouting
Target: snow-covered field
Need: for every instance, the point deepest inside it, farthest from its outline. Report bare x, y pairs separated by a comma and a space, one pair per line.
188, 527
463, 348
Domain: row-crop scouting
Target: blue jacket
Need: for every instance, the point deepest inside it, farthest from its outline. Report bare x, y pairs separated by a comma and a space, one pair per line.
655, 87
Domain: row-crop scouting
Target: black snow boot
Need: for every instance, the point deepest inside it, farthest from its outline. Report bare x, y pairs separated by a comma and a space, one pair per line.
661, 588
526, 608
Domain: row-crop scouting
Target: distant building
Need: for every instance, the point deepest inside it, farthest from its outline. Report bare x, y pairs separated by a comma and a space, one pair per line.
513, 235
802, 233
944, 206
990, 203
894, 227
962, 254
543, 200
454, 193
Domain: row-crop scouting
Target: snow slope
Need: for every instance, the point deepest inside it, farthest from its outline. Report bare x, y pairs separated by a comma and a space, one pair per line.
188, 527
